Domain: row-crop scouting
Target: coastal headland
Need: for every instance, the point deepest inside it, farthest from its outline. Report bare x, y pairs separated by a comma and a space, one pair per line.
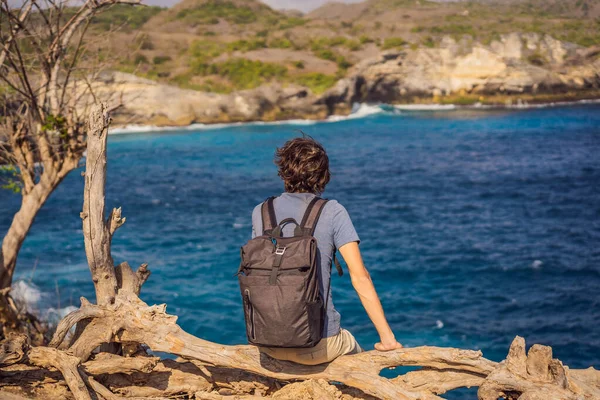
208, 61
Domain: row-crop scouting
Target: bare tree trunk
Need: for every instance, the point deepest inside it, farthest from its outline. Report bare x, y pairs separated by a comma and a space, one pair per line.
31, 203
96, 231
21, 224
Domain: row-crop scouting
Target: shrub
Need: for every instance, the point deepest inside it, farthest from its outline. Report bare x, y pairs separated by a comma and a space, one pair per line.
246, 74
324, 43
393, 42
337, 41
291, 22
299, 64
281, 43
211, 11
330, 55
160, 60
140, 59
454, 29
144, 42
205, 49
125, 16
246, 45
326, 54
342, 62
429, 42
353, 45
364, 39
201, 52
316, 82
537, 59
211, 86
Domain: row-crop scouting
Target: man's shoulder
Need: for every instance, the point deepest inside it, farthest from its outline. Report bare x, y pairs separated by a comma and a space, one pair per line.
257, 209
333, 208
334, 205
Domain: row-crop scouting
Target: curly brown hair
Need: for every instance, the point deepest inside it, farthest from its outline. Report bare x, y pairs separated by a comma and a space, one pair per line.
303, 165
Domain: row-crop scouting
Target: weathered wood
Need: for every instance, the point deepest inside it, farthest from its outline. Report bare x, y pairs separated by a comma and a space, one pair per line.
97, 387
137, 322
13, 350
106, 363
534, 376
440, 381
127, 379
445, 369
130, 281
66, 364
97, 233
73, 318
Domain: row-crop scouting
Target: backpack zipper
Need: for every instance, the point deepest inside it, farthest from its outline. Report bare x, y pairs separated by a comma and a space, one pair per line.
250, 314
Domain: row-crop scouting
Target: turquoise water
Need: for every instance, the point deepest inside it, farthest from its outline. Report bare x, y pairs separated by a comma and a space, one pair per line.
476, 225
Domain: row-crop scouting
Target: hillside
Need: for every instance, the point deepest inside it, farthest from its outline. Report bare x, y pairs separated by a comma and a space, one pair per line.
288, 64
227, 45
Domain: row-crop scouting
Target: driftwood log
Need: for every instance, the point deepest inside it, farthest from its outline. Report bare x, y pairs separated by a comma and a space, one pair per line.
85, 366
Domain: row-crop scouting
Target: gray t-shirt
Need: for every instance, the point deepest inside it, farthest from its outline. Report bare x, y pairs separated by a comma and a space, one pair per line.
333, 230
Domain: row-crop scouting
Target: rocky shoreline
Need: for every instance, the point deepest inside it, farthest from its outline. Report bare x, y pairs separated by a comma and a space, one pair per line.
516, 69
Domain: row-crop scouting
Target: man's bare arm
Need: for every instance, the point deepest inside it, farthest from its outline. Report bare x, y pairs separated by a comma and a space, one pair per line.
361, 280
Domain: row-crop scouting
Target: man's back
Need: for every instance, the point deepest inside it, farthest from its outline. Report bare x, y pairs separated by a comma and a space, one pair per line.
333, 230
303, 166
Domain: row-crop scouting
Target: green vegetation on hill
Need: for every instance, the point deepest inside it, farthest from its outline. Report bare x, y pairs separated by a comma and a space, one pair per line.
485, 22
129, 17
211, 11
393, 42
207, 44
119, 16
247, 74
316, 82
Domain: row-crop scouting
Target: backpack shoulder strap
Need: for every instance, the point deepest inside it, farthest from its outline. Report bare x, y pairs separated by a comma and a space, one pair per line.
269, 221
312, 214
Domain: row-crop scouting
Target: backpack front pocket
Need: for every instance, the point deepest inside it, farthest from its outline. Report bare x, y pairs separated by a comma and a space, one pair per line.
279, 315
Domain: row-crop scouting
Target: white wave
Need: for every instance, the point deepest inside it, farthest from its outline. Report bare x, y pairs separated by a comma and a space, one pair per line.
29, 298
526, 105
359, 110
26, 296
53, 315
125, 129
425, 107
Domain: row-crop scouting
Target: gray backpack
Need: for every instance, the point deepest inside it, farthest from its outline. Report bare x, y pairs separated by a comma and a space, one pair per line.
280, 284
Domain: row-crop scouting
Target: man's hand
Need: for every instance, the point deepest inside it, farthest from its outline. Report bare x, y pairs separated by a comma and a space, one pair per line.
388, 345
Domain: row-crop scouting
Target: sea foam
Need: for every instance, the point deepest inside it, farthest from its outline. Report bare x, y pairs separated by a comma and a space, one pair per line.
359, 110
29, 298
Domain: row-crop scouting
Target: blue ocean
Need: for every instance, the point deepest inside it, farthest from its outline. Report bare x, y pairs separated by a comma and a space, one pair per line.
476, 225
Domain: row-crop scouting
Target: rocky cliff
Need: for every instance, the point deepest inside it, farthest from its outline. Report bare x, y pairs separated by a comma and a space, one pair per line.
517, 67
147, 102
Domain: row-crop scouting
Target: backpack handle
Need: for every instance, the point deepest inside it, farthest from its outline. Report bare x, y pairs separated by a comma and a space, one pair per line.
279, 228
